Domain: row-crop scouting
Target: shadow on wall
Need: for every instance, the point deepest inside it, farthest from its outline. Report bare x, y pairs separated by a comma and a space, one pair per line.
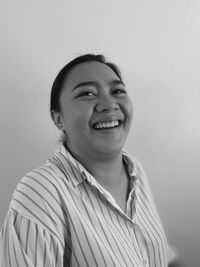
176, 264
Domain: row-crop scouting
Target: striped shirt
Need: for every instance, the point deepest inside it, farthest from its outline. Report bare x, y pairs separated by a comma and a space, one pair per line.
61, 216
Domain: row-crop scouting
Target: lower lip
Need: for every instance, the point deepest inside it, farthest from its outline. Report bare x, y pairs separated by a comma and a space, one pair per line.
108, 129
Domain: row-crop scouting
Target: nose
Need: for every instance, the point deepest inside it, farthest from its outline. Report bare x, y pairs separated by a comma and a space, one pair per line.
106, 103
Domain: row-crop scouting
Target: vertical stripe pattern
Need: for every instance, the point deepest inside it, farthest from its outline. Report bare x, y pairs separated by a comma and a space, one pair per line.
61, 216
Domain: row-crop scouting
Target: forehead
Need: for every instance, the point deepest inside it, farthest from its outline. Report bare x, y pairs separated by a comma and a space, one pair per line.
90, 71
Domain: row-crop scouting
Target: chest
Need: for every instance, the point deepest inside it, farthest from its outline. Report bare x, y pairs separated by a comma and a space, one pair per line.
100, 232
121, 192
120, 196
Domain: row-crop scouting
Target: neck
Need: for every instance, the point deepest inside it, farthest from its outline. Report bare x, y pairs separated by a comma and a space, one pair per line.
112, 176
108, 170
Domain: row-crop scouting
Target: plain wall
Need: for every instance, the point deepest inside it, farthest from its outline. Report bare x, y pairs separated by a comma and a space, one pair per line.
157, 46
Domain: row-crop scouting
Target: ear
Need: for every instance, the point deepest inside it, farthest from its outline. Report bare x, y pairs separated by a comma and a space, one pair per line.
57, 118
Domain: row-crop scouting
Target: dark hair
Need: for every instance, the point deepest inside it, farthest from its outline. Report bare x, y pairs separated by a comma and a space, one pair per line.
60, 78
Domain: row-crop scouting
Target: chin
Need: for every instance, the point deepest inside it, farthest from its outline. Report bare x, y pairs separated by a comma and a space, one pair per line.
109, 149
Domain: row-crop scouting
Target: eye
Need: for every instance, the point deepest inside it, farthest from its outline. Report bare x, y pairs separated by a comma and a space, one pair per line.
86, 94
119, 91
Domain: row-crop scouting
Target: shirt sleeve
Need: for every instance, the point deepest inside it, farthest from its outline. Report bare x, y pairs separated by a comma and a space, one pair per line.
24, 243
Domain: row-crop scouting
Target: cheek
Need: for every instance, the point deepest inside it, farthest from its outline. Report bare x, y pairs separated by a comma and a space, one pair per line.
80, 124
78, 121
128, 108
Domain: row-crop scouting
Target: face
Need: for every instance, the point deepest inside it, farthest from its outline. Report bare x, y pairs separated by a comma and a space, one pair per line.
96, 111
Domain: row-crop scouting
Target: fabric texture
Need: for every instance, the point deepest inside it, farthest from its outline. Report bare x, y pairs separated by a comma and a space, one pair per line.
61, 216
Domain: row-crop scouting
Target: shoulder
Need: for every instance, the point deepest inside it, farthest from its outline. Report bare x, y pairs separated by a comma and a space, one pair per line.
42, 180
39, 198
38, 195
47, 180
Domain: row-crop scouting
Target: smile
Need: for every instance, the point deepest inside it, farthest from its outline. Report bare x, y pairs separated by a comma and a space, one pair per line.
107, 125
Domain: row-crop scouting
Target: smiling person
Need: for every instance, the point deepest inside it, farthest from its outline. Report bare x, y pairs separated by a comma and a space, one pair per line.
89, 204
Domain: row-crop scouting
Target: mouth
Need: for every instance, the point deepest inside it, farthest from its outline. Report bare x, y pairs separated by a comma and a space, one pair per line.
107, 125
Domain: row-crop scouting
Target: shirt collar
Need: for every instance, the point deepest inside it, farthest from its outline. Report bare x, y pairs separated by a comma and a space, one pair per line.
130, 163
83, 172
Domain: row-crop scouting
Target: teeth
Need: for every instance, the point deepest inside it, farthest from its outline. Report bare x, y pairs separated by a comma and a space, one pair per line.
110, 124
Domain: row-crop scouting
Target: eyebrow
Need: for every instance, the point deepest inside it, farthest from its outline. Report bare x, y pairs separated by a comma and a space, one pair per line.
96, 84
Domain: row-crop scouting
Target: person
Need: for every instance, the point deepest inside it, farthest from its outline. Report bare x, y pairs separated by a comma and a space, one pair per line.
90, 203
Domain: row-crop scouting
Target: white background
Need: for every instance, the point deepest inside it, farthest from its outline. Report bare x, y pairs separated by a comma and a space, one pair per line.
157, 46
